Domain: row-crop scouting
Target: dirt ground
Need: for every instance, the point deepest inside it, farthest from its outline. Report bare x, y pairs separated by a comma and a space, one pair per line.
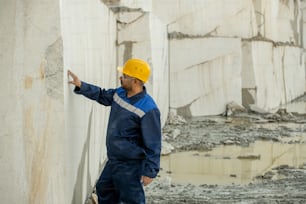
281, 184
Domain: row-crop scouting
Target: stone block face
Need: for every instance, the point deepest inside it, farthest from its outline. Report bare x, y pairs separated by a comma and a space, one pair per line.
276, 20
208, 18
204, 74
129, 16
294, 72
279, 20
146, 38
204, 54
262, 74
303, 23
52, 143
270, 73
89, 41
12, 172
137, 31
32, 103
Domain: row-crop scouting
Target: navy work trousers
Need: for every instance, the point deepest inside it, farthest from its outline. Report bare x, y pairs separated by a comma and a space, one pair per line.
120, 183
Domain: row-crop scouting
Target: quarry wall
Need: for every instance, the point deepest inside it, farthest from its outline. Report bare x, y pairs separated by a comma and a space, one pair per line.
203, 54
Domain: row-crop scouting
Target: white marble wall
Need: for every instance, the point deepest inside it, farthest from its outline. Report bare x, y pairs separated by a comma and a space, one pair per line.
204, 54
279, 20
32, 122
213, 18
205, 74
52, 141
12, 171
89, 41
303, 29
270, 73
191, 22
303, 23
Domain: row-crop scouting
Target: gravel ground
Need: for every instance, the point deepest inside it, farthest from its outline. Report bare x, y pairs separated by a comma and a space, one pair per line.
283, 184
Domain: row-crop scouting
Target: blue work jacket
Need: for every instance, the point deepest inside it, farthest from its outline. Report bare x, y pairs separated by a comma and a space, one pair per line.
134, 129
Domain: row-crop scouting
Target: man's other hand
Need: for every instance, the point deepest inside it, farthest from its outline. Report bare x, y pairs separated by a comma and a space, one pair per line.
146, 180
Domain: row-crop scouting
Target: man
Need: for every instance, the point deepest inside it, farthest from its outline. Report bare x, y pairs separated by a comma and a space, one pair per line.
133, 137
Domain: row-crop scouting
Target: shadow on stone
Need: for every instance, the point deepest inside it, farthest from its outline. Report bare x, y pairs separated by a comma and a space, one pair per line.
77, 194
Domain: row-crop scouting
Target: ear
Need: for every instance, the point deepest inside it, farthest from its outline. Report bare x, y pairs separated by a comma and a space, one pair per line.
135, 81
139, 82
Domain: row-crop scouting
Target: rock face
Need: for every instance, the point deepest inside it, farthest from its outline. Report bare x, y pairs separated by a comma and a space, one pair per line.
89, 42
203, 82
52, 142
203, 54
233, 51
269, 73
32, 98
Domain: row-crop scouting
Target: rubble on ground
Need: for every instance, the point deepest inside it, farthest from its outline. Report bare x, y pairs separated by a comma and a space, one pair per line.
283, 184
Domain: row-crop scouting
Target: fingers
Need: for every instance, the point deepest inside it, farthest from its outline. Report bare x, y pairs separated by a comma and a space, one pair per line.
75, 80
70, 73
146, 180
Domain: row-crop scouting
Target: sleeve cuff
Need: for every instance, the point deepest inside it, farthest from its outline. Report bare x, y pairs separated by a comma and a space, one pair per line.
77, 89
150, 173
80, 90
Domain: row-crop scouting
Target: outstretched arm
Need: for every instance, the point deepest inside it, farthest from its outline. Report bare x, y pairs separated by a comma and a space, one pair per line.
102, 96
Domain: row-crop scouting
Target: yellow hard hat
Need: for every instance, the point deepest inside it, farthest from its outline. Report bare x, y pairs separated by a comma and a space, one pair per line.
136, 68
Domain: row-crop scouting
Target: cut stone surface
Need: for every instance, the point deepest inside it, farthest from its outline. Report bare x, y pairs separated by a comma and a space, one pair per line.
266, 76
203, 81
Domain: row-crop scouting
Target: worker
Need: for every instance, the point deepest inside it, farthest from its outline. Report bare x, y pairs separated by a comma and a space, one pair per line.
133, 139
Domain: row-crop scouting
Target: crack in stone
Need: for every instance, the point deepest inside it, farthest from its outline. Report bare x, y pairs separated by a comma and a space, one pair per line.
115, 6
259, 37
283, 72
126, 42
294, 23
206, 62
118, 9
124, 24
180, 35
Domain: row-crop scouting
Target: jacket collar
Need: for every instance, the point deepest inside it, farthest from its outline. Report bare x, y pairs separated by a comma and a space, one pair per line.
135, 98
